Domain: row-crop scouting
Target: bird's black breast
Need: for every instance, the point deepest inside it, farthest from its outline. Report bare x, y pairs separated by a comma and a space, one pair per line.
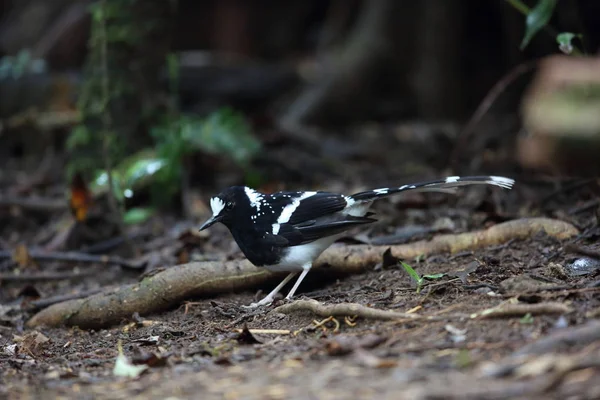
257, 247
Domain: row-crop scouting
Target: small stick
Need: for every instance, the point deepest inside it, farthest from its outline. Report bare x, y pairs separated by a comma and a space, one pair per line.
584, 251
37, 304
486, 104
267, 331
346, 309
519, 310
48, 276
76, 257
35, 204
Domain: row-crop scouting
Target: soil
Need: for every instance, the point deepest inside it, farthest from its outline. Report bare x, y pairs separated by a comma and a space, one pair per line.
197, 350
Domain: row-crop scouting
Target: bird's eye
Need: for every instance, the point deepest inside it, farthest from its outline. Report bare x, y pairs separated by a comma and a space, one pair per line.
229, 205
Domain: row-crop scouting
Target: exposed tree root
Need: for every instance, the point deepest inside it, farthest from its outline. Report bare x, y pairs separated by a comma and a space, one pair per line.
173, 285
348, 309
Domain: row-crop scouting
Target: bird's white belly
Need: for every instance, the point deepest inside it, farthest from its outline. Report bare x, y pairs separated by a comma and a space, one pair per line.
298, 257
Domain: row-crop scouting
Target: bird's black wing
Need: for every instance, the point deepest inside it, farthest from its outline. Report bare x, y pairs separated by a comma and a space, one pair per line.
318, 204
330, 227
313, 217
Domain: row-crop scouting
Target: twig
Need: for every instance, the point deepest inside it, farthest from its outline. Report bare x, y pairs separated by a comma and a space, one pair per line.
107, 122
519, 310
584, 251
37, 304
574, 336
267, 331
566, 188
109, 244
75, 257
347, 309
445, 346
486, 104
584, 207
34, 204
46, 276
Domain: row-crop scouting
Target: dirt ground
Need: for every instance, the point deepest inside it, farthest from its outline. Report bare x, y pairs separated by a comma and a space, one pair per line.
197, 349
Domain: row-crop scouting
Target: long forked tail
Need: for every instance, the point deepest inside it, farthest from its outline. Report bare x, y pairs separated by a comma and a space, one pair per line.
448, 184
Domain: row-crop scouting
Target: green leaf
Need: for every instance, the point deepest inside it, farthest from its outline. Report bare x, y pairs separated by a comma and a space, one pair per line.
565, 41
124, 367
527, 319
138, 215
434, 276
140, 171
223, 132
537, 19
413, 274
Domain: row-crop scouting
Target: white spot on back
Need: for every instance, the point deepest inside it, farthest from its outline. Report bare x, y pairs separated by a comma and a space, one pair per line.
217, 205
451, 179
381, 191
288, 210
256, 198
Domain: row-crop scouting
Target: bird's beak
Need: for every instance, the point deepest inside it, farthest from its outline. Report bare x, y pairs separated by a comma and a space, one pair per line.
211, 221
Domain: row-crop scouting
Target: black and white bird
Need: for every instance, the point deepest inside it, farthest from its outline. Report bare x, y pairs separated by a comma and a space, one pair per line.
287, 231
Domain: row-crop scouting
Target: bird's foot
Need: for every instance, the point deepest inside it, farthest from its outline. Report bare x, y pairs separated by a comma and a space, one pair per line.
264, 302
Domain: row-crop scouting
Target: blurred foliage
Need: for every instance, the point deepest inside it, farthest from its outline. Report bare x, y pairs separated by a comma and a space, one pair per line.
14, 67
121, 93
223, 132
137, 215
124, 111
565, 41
160, 169
537, 18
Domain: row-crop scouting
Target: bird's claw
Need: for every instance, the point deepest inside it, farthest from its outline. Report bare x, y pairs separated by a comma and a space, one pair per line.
264, 302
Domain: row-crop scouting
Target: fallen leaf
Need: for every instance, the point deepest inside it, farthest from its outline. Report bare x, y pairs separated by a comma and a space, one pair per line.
21, 256
81, 198
457, 335
370, 360
124, 367
152, 359
10, 350
147, 341
246, 337
32, 343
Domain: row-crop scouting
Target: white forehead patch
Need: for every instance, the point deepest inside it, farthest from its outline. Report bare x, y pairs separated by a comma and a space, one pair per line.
217, 205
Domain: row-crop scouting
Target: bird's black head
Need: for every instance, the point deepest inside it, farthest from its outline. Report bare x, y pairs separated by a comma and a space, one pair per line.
224, 206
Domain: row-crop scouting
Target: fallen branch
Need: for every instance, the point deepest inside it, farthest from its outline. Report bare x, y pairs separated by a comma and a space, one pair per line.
347, 309
173, 285
43, 276
76, 257
35, 204
520, 310
582, 251
574, 336
266, 331
41, 303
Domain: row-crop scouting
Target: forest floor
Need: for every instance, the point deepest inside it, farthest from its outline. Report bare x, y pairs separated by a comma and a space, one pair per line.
201, 349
